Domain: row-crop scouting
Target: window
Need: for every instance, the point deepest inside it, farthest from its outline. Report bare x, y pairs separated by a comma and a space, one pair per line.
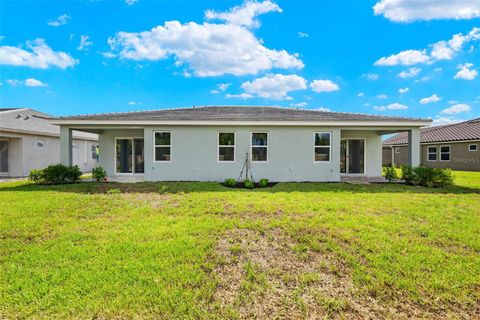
94, 152
432, 153
445, 153
226, 146
322, 146
472, 147
41, 143
397, 150
259, 146
163, 146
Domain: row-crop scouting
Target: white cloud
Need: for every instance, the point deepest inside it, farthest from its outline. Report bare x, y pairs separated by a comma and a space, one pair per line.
41, 56
324, 86
244, 15
371, 76
466, 72
223, 86
299, 105
242, 96
360, 94
408, 10
392, 106
403, 90
303, 35
456, 108
323, 109
441, 50
382, 96
433, 98
59, 21
130, 2
134, 103
84, 42
405, 58
208, 49
445, 120
410, 73
30, 82
275, 86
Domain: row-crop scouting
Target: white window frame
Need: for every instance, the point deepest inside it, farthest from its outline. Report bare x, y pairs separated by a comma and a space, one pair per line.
252, 146
429, 153
227, 146
329, 147
162, 145
449, 153
397, 149
471, 145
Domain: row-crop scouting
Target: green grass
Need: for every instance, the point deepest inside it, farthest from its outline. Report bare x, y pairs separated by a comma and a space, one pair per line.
144, 250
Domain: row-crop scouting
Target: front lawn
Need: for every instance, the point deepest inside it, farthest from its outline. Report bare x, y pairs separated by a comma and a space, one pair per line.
200, 250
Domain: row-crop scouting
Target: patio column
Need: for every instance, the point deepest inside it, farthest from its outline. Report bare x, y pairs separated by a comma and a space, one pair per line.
66, 146
414, 147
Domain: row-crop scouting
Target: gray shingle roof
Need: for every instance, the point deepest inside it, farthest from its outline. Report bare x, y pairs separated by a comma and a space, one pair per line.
463, 131
29, 121
236, 113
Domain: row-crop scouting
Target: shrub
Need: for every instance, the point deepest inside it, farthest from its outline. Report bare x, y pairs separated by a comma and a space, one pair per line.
390, 173
99, 174
35, 175
248, 184
56, 174
427, 177
263, 183
113, 191
230, 182
432, 177
407, 173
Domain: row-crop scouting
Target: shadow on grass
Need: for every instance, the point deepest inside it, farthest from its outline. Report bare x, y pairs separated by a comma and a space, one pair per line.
189, 187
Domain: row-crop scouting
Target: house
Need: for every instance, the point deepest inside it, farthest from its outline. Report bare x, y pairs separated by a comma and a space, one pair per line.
28, 141
455, 146
213, 143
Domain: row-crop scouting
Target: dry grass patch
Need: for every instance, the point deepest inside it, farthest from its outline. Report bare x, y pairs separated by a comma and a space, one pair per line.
262, 275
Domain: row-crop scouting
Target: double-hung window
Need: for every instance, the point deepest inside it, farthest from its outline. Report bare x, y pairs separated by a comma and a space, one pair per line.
259, 146
432, 153
322, 146
163, 146
444, 153
226, 146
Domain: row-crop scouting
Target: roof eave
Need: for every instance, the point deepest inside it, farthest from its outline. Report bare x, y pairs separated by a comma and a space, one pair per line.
333, 123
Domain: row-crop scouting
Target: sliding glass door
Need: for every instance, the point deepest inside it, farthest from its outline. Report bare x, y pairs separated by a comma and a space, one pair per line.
3, 156
352, 156
129, 155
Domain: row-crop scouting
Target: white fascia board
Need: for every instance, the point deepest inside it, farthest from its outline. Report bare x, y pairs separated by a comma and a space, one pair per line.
419, 124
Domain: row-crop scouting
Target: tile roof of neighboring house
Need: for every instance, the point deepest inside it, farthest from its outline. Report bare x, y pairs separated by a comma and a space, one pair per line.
463, 131
29, 121
236, 113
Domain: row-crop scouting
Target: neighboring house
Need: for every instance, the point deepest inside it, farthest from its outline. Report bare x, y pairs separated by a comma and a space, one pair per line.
455, 146
28, 141
212, 143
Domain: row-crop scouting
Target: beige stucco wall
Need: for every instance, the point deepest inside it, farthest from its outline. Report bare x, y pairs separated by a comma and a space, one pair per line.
24, 155
194, 153
460, 157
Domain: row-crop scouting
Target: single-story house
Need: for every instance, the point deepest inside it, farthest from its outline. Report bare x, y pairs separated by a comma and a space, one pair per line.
455, 146
28, 141
214, 143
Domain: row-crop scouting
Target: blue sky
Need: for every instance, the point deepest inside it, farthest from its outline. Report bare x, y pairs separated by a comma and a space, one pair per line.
394, 57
